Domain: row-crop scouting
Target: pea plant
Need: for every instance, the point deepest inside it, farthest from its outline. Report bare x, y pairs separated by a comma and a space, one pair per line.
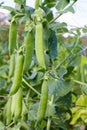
45, 74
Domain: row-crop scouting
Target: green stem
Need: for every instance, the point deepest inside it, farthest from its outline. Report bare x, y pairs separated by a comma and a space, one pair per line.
79, 82
48, 123
64, 11
7, 127
82, 73
37, 3
49, 118
58, 66
31, 87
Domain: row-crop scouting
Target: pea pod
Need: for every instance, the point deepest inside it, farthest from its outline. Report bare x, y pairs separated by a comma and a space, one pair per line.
18, 104
12, 65
17, 74
39, 45
12, 36
13, 104
43, 101
24, 110
8, 111
29, 46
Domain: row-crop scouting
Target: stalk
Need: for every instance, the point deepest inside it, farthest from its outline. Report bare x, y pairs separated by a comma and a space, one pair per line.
49, 118
31, 87
37, 3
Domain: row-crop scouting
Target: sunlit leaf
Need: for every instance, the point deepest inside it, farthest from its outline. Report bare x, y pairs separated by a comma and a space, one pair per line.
61, 4
59, 87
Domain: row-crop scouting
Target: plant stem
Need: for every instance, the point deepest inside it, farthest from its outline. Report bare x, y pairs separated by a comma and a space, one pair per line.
82, 73
58, 66
10, 125
49, 118
48, 123
79, 82
64, 11
31, 87
37, 3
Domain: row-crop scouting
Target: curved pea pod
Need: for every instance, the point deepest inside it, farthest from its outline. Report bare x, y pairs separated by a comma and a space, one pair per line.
12, 65
12, 37
29, 50
17, 74
43, 101
39, 45
18, 104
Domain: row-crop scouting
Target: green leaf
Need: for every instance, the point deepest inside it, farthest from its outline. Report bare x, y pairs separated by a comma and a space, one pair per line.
84, 29
61, 4
76, 116
53, 49
84, 116
33, 75
58, 26
83, 60
59, 87
62, 72
49, 13
74, 60
64, 102
82, 101
11, 9
50, 3
2, 82
70, 9
2, 127
50, 110
84, 89
21, 2
32, 113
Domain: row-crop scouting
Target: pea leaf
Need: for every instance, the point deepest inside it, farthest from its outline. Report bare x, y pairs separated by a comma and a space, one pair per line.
53, 49
77, 115
84, 89
2, 127
62, 72
49, 13
59, 87
58, 26
50, 110
61, 4
82, 100
64, 102
32, 113
70, 9
84, 29
50, 3
20, 1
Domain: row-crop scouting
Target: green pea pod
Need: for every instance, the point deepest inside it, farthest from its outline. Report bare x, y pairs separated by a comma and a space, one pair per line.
12, 65
12, 36
13, 104
43, 101
29, 50
17, 74
18, 104
8, 111
24, 110
39, 45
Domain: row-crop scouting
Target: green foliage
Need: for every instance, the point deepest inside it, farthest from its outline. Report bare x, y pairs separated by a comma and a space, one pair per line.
65, 72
